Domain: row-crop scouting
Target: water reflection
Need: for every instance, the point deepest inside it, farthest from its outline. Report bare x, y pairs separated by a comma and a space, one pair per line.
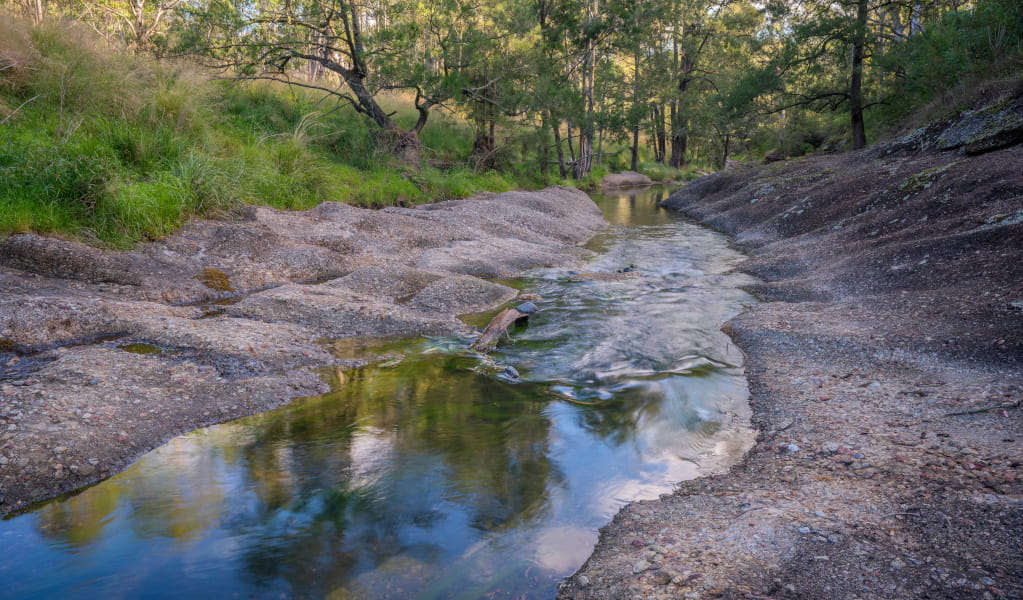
431, 477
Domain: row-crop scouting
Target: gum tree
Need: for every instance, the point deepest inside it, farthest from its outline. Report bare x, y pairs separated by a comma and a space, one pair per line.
351, 49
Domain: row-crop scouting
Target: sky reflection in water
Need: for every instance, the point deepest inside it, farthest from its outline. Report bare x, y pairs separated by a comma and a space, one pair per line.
433, 478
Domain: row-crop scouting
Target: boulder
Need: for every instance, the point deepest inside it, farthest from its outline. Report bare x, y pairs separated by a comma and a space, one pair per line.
625, 179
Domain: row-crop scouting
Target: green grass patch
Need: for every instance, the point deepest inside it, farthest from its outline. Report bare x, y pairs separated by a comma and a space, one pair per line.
115, 149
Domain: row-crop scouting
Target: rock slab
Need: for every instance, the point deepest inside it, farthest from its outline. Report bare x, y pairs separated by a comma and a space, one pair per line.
108, 354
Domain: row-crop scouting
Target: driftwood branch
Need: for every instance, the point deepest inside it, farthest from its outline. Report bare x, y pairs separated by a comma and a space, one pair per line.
974, 411
498, 327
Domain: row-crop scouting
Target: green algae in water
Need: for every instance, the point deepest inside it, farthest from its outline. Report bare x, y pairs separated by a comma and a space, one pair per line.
215, 279
144, 348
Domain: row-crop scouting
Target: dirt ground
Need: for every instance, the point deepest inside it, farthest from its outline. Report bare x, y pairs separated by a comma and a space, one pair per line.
106, 355
886, 375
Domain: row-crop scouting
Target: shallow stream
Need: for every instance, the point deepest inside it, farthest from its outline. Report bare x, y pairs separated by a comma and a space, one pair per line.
434, 473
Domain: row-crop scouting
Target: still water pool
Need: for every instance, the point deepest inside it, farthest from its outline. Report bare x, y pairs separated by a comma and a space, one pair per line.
434, 476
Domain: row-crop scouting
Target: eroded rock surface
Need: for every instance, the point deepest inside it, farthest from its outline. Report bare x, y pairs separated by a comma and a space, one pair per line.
893, 280
104, 355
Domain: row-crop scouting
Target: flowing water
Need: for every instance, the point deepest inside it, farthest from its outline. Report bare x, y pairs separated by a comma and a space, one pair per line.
434, 473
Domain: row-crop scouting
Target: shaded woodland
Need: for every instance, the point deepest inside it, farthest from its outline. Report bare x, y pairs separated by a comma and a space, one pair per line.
412, 96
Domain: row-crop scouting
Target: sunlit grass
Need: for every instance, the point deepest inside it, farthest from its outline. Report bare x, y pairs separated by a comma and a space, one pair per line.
115, 149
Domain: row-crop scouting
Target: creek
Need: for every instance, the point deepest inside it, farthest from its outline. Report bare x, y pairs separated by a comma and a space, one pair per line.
433, 473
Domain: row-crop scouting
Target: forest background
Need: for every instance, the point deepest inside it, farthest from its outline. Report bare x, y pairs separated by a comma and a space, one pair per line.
121, 119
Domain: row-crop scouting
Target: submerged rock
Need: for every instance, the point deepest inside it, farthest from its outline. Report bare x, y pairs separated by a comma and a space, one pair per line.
527, 308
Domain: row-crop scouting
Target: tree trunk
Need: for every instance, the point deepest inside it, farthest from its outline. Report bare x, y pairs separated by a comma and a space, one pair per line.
586, 131
859, 135
138, 9
660, 138
571, 147
562, 171
635, 148
483, 146
635, 110
543, 155
679, 121
915, 26
679, 137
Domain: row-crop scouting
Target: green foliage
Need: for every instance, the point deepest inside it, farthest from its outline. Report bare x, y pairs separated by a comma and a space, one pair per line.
117, 149
967, 46
913, 53
661, 172
109, 145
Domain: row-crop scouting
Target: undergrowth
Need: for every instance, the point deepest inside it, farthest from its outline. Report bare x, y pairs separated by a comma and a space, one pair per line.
115, 149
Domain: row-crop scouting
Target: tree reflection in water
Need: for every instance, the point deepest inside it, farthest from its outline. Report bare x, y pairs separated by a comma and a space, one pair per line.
431, 478
396, 462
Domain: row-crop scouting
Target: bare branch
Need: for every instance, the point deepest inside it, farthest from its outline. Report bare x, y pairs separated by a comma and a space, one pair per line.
15, 111
287, 81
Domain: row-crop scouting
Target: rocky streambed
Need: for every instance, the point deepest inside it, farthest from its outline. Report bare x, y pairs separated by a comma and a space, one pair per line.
884, 368
886, 376
105, 355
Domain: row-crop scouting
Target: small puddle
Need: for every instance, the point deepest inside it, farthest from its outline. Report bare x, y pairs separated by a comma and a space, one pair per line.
144, 348
435, 472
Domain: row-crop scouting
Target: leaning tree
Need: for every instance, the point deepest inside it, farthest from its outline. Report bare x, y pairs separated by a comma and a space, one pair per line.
354, 50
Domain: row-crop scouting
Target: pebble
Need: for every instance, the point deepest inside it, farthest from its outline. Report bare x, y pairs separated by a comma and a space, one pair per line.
639, 566
511, 371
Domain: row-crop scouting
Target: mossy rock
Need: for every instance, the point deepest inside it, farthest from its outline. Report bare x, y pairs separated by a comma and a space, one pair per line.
215, 279
924, 179
989, 128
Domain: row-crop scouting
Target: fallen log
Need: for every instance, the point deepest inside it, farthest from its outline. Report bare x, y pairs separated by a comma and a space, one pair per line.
499, 325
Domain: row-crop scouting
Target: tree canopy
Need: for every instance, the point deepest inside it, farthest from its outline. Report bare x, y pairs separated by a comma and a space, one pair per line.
572, 82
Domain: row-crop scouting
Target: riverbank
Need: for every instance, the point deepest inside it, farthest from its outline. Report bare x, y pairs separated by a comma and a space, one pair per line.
105, 355
886, 375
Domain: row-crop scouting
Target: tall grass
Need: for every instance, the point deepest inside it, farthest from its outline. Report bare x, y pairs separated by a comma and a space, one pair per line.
116, 149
